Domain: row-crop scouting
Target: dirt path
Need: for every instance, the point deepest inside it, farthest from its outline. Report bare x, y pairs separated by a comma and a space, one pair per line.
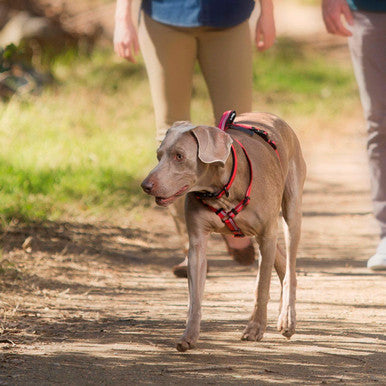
97, 303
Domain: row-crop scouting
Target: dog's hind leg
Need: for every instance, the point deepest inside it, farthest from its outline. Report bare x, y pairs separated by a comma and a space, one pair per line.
280, 263
292, 218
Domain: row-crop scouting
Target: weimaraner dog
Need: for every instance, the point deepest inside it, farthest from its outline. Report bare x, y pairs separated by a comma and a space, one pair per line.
197, 161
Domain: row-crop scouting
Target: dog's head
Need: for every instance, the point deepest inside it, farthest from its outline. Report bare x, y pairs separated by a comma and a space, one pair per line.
184, 156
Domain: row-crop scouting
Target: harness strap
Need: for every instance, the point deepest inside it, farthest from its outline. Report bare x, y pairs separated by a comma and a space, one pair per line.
227, 218
227, 119
250, 130
226, 122
225, 189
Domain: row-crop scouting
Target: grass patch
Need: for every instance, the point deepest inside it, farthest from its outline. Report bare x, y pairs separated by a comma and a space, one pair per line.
292, 77
83, 146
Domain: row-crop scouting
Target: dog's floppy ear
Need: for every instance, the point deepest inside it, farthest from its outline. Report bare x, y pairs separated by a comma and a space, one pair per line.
214, 145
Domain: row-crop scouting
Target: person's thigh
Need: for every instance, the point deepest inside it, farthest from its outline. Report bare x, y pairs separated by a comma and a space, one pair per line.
169, 55
225, 58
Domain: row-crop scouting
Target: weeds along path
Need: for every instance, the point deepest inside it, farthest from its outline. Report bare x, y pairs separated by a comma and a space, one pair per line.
96, 303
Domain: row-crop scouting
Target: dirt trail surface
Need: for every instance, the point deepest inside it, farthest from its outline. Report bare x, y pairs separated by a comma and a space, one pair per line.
97, 303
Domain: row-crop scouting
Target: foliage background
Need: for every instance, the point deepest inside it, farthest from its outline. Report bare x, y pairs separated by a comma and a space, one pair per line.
81, 147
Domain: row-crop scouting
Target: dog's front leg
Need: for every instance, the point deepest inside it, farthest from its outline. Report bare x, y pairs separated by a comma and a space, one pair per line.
258, 321
197, 266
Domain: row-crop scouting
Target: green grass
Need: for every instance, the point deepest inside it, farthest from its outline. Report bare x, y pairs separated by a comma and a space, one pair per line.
294, 80
83, 146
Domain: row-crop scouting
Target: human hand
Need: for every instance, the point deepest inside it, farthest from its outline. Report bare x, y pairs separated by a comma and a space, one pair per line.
265, 29
126, 40
332, 11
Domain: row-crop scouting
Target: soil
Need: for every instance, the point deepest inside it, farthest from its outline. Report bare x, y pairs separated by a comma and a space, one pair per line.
96, 303
93, 302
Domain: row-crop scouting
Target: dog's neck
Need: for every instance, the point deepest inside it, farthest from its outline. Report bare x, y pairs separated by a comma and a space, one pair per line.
215, 177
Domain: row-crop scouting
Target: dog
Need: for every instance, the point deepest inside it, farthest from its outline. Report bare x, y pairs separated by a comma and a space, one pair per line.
199, 162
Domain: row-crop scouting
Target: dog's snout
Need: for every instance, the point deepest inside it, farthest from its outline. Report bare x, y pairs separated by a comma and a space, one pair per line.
147, 186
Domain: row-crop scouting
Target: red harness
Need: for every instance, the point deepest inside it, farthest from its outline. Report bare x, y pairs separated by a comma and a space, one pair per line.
227, 218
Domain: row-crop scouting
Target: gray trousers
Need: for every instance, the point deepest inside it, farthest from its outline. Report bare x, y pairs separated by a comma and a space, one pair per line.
368, 53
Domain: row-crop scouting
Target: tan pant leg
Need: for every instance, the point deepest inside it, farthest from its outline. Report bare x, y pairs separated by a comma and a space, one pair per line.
368, 53
169, 55
225, 57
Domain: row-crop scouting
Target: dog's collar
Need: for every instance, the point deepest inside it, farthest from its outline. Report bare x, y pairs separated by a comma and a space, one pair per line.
227, 218
227, 186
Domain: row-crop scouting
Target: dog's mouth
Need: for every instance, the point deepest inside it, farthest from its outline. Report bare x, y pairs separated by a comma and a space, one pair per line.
165, 201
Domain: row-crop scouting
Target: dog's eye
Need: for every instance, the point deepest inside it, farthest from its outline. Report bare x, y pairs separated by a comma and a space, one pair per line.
179, 156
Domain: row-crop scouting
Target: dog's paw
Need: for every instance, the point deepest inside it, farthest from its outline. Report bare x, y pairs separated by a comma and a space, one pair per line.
184, 345
253, 332
287, 322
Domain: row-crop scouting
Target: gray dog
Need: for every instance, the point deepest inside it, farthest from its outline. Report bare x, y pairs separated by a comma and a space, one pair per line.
200, 161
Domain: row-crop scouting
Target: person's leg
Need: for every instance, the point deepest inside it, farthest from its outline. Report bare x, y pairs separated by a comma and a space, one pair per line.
169, 54
367, 47
225, 57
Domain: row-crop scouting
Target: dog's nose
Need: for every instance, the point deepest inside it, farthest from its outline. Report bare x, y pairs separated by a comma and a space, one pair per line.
147, 186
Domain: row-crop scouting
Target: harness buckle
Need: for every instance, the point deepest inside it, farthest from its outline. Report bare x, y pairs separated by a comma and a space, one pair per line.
231, 118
